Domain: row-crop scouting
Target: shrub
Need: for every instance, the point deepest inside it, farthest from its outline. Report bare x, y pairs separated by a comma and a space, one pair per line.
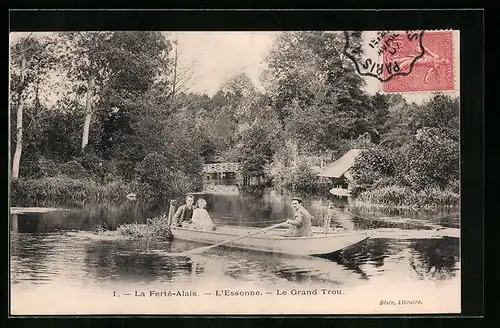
117, 189
73, 169
154, 228
47, 167
292, 170
431, 159
304, 178
92, 163
253, 166
62, 187
454, 185
437, 196
375, 167
157, 180
398, 196
298, 175
30, 162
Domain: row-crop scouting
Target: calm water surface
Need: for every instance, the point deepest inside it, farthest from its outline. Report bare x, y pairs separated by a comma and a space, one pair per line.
49, 248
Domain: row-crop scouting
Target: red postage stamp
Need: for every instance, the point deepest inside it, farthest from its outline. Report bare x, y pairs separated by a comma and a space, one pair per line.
432, 71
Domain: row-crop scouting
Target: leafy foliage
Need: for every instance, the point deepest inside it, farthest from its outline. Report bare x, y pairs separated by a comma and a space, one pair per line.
159, 181
396, 196
374, 166
155, 228
63, 187
428, 159
313, 108
431, 159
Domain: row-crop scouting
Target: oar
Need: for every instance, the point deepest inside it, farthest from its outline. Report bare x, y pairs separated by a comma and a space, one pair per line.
205, 248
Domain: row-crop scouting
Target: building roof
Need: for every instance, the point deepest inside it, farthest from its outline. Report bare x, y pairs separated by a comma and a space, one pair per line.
340, 166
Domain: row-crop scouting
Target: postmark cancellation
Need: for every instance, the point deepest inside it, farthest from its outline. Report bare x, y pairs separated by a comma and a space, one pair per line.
406, 61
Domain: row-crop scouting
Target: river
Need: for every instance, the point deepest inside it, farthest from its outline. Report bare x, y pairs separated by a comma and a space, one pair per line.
52, 256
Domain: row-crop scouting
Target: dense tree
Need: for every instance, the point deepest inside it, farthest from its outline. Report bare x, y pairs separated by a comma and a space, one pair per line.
255, 125
421, 149
111, 68
432, 155
31, 59
440, 112
316, 91
142, 125
181, 77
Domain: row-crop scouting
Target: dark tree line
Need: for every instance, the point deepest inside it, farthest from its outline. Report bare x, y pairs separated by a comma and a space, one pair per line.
123, 116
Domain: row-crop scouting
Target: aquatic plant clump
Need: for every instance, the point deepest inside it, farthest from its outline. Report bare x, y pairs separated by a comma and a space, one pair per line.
156, 227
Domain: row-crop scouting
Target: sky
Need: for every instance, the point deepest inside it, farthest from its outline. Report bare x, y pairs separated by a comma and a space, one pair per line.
216, 56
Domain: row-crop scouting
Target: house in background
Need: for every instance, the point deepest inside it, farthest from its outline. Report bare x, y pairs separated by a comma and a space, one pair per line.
339, 172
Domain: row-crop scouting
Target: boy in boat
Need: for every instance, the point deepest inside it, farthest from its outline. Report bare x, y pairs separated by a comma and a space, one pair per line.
184, 213
201, 218
300, 225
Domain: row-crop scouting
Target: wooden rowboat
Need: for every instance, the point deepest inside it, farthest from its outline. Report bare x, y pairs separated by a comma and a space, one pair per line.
273, 240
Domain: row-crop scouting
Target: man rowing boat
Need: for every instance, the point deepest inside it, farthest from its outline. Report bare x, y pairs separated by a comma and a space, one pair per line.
300, 225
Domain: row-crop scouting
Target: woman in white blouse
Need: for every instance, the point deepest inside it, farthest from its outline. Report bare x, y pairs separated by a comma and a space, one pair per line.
201, 219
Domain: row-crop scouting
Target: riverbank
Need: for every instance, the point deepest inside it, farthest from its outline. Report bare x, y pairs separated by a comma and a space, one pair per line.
85, 189
404, 197
39, 210
66, 188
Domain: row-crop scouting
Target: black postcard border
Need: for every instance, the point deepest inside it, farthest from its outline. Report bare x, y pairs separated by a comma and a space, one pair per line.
469, 22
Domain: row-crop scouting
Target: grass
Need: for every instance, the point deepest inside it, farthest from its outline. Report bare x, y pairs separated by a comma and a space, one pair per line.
63, 187
396, 196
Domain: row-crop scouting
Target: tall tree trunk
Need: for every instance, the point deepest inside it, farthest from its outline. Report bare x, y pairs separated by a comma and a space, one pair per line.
37, 96
19, 126
174, 82
88, 115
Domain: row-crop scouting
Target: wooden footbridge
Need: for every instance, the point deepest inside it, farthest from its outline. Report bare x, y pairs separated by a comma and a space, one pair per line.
222, 170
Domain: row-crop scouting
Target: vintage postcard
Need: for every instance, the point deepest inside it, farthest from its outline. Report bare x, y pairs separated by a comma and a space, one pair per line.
229, 173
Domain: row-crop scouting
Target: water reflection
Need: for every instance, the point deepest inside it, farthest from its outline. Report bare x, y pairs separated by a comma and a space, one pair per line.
246, 265
37, 256
435, 259
243, 208
44, 258
88, 217
43, 252
111, 262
